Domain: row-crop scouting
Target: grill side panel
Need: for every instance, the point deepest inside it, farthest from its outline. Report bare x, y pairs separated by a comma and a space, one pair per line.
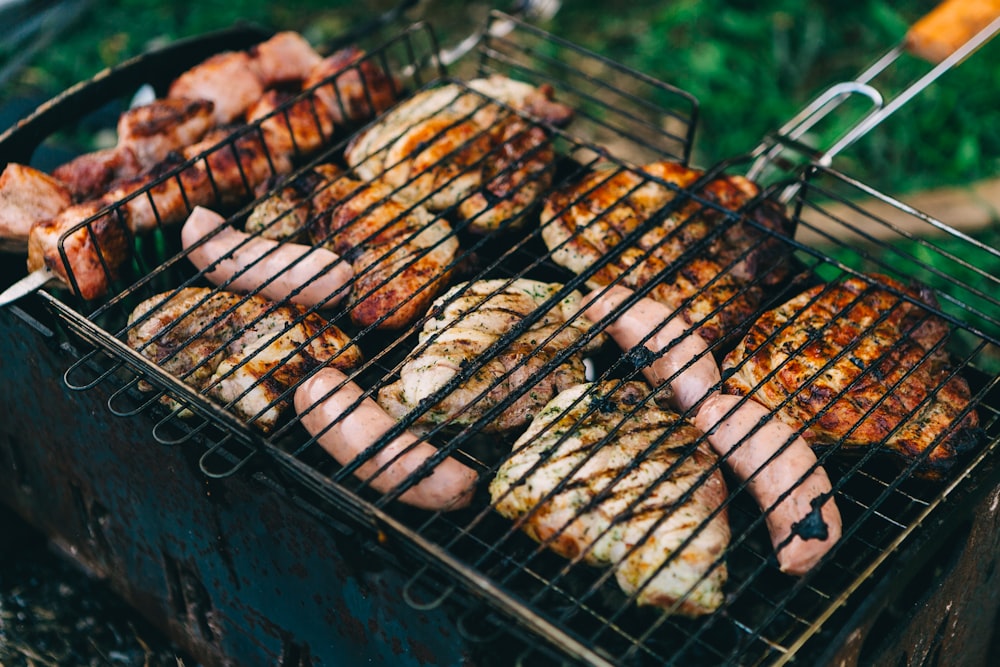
236, 571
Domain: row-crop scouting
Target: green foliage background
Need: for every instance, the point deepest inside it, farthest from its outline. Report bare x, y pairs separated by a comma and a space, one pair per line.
751, 64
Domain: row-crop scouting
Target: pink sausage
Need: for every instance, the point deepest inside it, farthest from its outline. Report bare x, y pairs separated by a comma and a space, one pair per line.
791, 470
345, 435
275, 269
673, 337
680, 346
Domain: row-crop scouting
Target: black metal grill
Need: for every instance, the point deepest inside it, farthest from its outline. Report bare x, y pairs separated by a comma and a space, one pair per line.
767, 617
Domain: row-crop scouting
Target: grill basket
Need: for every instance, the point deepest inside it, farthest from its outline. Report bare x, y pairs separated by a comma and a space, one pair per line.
838, 228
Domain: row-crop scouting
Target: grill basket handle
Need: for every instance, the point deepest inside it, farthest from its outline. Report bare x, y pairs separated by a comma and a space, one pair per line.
948, 26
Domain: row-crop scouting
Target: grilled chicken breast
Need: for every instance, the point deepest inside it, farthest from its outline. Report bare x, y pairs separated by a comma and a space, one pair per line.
402, 256
702, 266
465, 322
245, 352
604, 475
854, 363
455, 145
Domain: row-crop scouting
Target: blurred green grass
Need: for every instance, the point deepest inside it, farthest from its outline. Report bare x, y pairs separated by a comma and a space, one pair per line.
752, 65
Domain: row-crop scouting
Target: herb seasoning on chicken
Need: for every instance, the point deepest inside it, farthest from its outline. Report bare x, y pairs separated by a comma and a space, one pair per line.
604, 474
465, 323
243, 351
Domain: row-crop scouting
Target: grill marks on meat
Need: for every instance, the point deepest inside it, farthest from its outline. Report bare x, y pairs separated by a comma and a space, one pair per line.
604, 475
147, 135
700, 263
464, 323
454, 146
202, 166
854, 363
246, 352
402, 256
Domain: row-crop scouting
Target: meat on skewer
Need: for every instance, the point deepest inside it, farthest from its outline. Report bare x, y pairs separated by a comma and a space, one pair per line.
147, 135
226, 168
26, 195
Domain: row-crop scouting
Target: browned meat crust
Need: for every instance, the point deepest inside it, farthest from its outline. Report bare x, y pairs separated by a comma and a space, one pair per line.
856, 364
243, 351
711, 275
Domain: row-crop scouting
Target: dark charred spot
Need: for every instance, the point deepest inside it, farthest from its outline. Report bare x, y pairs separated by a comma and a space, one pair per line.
640, 356
604, 404
352, 254
812, 526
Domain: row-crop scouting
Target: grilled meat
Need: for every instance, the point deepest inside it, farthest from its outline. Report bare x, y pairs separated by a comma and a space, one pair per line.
706, 271
26, 195
351, 86
464, 323
90, 174
855, 363
604, 475
234, 80
284, 214
455, 145
245, 352
401, 255
162, 196
94, 250
147, 135
291, 127
155, 130
227, 163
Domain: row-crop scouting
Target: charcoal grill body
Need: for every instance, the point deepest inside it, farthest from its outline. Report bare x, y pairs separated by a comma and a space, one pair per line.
234, 570
240, 571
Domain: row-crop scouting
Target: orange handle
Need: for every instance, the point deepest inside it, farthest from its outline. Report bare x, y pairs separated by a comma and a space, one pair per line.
948, 26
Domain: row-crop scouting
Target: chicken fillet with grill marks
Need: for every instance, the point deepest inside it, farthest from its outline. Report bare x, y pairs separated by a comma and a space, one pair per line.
465, 322
243, 351
854, 363
454, 145
605, 475
702, 265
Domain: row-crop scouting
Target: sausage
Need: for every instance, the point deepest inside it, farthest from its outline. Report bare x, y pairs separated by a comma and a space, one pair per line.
800, 531
801, 534
346, 435
670, 342
252, 263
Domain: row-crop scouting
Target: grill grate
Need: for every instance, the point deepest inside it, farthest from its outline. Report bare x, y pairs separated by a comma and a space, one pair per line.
766, 616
